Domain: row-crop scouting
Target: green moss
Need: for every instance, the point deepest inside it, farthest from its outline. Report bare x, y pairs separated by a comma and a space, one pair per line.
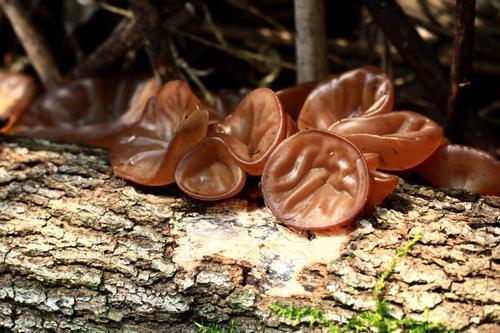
368, 321
379, 320
215, 328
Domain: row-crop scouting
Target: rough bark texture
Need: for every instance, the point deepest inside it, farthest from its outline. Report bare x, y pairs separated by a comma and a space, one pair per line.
83, 251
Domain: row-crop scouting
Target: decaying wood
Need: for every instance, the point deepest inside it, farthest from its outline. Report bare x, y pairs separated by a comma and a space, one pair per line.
83, 251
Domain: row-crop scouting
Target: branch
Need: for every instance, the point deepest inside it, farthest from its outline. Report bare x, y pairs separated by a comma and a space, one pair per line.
311, 40
124, 37
156, 46
400, 30
461, 69
33, 42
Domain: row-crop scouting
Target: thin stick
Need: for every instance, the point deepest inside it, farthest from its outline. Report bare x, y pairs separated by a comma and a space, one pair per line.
311, 40
461, 70
124, 37
400, 30
236, 52
155, 42
33, 43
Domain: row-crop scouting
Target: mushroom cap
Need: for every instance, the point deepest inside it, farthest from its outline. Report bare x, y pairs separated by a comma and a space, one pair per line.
16, 94
468, 168
315, 180
402, 139
381, 185
209, 172
292, 99
365, 91
90, 110
148, 152
254, 129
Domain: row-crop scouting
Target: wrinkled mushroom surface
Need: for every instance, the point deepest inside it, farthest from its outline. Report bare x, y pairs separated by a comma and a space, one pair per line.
402, 139
90, 110
209, 172
359, 92
457, 166
315, 180
16, 94
254, 129
173, 123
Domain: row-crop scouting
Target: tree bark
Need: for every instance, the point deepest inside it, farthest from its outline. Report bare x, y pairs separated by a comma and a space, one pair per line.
81, 250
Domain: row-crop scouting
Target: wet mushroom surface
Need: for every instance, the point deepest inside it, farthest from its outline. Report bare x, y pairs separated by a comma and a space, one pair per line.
254, 129
359, 92
315, 180
209, 172
401, 139
463, 167
173, 122
90, 110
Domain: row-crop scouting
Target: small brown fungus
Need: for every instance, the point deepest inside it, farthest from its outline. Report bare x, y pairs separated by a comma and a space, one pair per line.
381, 185
463, 167
292, 99
315, 180
89, 111
16, 94
359, 92
254, 129
209, 172
402, 139
172, 124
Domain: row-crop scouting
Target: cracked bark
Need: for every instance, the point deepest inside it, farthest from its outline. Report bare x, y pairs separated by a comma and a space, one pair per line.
83, 251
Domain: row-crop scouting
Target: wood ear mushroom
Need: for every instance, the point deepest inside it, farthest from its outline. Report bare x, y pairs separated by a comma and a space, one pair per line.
315, 180
172, 123
254, 129
209, 172
457, 166
89, 111
401, 139
17, 91
365, 91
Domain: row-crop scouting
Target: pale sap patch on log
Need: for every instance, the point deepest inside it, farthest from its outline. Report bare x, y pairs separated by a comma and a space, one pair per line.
277, 255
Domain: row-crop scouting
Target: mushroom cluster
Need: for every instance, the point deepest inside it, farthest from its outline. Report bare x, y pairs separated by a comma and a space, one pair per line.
324, 150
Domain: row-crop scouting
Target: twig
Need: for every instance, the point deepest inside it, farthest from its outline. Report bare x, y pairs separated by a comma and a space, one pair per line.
312, 64
212, 27
125, 36
461, 70
156, 47
208, 96
236, 52
426, 9
116, 10
400, 30
33, 43
248, 6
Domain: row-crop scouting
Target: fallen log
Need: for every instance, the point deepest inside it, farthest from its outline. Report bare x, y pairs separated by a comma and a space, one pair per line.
81, 250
